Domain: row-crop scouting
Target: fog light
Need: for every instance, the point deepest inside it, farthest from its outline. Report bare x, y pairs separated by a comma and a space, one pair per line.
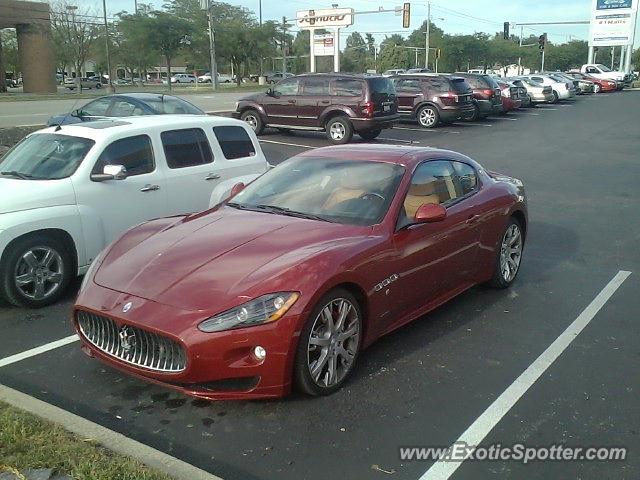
259, 352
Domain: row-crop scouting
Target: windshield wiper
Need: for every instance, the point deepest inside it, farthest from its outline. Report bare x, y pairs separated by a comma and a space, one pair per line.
14, 173
289, 212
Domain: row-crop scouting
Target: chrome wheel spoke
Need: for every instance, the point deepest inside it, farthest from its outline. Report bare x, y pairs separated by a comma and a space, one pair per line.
319, 341
318, 366
48, 259
352, 331
332, 370
328, 318
30, 259
39, 290
55, 277
25, 279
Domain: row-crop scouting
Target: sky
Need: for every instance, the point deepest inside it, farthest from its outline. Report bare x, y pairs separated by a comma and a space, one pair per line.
454, 17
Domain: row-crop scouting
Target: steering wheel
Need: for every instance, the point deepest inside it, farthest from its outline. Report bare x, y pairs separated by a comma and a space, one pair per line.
367, 195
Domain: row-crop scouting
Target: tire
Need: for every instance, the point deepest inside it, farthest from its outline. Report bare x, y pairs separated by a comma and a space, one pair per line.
254, 120
98, 86
339, 130
555, 97
338, 349
476, 114
47, 274
513, 239
370, 134
428, 116
597, 88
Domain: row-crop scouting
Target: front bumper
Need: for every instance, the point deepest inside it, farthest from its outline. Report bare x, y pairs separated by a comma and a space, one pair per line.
219, 366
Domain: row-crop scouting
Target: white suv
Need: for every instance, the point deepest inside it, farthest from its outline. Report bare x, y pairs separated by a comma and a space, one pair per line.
183, 78
66, 192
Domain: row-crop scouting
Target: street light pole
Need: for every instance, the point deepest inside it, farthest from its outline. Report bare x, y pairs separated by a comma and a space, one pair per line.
110, 88
426, 43
212, 50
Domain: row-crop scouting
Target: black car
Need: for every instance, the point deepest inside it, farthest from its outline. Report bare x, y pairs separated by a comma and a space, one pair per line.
487, 95
432, 99
126, 105
336, 103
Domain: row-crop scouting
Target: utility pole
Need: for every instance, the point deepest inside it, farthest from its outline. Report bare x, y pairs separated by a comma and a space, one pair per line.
519, 51
284, 41
106, 42
260, 16
212, 49
426, 42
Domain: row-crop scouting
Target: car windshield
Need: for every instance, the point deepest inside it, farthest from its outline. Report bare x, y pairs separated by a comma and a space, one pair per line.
604, 68
169, 105
331, 189
45, 156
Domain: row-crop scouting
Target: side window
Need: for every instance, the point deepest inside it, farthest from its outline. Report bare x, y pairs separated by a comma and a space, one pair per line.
408, 86
134, 153
316, 86
122, 108
97, 107
538, 79
347, 88
186, 148
432, 182
234, 142
439, 84
287, 87
466, 179
592, 70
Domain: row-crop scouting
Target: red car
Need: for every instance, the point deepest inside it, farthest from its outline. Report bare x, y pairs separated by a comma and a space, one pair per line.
509, 97
600, 84
284, 284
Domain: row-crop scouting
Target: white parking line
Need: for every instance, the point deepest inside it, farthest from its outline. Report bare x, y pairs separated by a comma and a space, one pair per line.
27, 114
409, 142
472, 436
509, 119
287, 144
469, 124
429, 130
38, 350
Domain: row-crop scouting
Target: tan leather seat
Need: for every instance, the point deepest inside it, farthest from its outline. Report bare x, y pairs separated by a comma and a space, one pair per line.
418, 195
340, 195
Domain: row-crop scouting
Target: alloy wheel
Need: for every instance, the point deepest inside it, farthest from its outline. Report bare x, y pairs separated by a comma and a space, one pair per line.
252, 121
333, 342
510, 253
427, 117
337, 131
39, 273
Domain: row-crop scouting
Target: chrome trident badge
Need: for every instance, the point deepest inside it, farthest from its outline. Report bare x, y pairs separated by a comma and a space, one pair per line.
127, 338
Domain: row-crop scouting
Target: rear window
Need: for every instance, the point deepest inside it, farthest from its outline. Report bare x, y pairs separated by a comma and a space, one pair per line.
460, 85
186, 148
172, 105
382, 85
234, 142
490, 81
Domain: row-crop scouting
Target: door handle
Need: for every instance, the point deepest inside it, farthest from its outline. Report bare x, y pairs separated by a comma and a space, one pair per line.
326, 102
473, 219
150, 188
291, 101
212, 176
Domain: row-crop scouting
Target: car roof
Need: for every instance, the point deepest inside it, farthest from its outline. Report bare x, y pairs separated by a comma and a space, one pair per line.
116, 126
405, 155
360, 76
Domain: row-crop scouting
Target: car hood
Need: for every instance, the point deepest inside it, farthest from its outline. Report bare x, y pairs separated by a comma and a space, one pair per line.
256, 97
211, 260
17, 195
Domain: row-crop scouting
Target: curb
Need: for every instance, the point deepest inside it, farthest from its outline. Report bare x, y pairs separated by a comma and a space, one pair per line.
113, 441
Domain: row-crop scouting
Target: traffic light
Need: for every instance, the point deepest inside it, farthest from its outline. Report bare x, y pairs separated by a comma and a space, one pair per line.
312, 17
406, 15
505, 35
542, 40
437, 53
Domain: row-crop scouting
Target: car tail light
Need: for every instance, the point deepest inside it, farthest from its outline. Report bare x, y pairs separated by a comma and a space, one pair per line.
488, 92
449, 99
368, 109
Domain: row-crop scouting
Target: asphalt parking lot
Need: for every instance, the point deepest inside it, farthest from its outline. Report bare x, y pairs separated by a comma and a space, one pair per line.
425, 384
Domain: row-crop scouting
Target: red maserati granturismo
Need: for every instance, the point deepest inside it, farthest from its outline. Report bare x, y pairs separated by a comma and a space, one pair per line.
285, 283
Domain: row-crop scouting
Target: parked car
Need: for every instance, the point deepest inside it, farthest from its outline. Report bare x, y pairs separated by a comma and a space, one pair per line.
509, 97
338, 104
393, 71
487, 95
277, 76
85, 82
537, 92
431, 99
418, 70
561, 90
183, 78
122, 81
317, 259
599, 84
222, 78
10, 83
603, 72
571, 82
582, 86
521, 92
126, 105
67, 192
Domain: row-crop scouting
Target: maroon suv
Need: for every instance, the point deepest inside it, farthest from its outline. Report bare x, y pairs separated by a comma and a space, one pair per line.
339, 104
432, 99
487, 95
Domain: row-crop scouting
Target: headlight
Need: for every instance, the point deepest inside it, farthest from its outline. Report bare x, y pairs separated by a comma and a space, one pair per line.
264, 309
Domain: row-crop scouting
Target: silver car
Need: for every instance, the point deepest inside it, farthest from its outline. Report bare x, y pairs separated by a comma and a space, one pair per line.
537, 92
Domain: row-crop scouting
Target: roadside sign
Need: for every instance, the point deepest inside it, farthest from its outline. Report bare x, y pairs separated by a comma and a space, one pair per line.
330, 17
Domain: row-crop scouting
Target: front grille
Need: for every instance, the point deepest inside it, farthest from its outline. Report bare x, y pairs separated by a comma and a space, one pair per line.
132, 345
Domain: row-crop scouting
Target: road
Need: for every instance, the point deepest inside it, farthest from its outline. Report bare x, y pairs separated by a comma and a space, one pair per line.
427, 383
31, 112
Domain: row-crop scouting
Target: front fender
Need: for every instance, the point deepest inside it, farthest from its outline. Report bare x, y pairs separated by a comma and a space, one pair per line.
246, 105
64, 217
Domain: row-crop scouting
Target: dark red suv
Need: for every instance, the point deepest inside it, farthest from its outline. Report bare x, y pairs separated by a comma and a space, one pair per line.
339, 104
487, 95
432, 99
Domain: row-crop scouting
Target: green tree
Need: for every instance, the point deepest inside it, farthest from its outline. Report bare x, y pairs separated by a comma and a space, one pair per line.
393, 56
356, 56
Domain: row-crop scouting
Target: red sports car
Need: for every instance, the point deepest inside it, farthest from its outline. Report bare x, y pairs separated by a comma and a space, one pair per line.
285, 283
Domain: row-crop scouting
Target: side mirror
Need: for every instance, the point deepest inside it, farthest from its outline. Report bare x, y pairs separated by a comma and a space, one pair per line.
269, 92
110, 172
237, 188
430, 212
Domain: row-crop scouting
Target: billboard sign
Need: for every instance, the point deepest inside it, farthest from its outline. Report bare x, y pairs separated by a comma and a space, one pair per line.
612, 22
323, 44
331, 17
